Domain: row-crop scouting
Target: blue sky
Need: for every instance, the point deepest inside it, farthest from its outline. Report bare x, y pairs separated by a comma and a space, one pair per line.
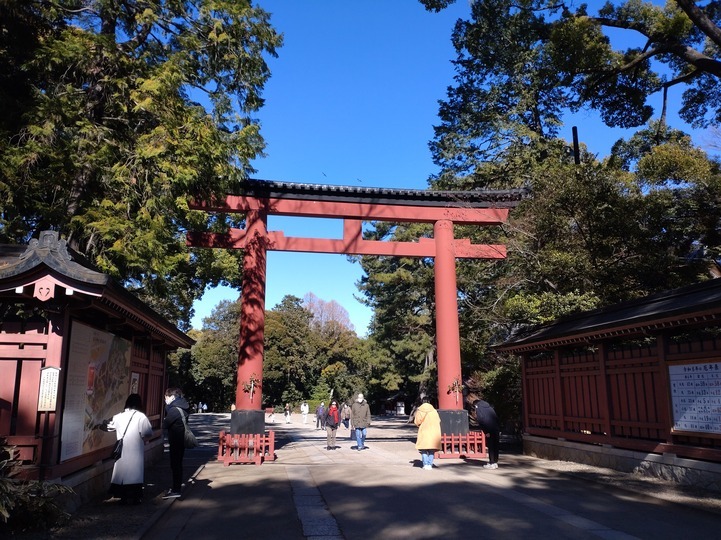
352, 100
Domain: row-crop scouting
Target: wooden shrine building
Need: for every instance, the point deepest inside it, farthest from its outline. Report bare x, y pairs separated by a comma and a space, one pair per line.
634, 386
73, 345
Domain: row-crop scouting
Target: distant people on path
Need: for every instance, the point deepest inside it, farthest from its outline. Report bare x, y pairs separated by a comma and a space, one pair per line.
304, 411
200, 406
134, 428
360, 414
176, 407
320, 416
429, 432
205, 407
287, 411
332, 421
345, 415
489, 424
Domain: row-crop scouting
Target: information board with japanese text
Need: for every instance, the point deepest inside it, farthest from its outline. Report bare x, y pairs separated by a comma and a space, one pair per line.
696, 397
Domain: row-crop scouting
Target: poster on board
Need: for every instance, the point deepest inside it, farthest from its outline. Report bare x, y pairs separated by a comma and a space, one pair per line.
98, 380
696, 397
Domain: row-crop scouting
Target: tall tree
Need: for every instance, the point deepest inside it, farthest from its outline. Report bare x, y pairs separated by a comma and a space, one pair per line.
215, 357
119, 112
292, 365
327, 313
566, 55
401, 292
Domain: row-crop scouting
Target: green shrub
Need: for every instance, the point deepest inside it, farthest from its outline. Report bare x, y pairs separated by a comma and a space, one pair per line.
26, 504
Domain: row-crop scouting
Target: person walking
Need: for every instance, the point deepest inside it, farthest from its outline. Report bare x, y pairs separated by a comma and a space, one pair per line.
176, 408
287, 413
429, 432
345, 415
488, 422
304, 411
332, 421
320, 416
133, 427
360, 414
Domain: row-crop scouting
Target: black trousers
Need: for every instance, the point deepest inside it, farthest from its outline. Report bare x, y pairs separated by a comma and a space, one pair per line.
177, 451
493, 439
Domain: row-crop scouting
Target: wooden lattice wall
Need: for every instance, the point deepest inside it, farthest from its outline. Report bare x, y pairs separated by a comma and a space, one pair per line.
616, 393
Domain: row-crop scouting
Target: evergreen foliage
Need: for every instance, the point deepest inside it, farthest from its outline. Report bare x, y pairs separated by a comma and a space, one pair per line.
115, 114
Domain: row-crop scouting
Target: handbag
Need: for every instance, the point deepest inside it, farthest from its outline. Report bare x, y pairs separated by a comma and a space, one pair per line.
188, 437
117, 452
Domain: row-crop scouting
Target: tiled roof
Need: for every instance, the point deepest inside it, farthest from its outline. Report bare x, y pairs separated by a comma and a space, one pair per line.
686, 306
416, 197
22, 265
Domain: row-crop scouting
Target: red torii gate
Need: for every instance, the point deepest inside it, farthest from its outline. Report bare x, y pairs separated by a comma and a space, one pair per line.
259, 199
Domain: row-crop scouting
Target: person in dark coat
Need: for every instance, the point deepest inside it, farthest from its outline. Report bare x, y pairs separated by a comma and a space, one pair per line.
489, 424
360, 414
174, 428
320, 416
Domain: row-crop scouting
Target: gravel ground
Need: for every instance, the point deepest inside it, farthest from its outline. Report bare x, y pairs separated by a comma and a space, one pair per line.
661, 489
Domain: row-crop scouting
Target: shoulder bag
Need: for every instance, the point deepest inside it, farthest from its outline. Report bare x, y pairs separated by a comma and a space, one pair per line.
117, 452
189, 437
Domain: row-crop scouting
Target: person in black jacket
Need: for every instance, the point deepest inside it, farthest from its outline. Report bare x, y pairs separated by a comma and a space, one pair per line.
175, 406
489, 424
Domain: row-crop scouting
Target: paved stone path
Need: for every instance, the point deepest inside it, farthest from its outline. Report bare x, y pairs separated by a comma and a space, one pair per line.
313, 493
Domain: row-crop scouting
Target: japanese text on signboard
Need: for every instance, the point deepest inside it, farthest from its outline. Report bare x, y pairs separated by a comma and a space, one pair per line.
696, 397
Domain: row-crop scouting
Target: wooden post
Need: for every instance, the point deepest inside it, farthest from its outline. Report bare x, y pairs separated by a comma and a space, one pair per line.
448, 342
249, 392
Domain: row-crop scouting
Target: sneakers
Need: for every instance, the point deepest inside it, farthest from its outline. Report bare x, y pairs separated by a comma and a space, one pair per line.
170, 494
490, 466
427, 467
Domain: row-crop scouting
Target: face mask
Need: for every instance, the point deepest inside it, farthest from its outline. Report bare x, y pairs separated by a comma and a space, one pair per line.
360, 400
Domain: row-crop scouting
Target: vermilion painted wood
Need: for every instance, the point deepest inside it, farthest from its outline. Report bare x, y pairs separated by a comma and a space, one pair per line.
613, 397
448, 340
246, 448
277, 241
256, 240
360, 211
470, 445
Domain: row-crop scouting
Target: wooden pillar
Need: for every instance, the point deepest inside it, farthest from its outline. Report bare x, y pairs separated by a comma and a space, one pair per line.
448, 340
249, 395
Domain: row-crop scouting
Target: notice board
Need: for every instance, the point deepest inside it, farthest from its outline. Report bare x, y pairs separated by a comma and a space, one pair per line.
696, 397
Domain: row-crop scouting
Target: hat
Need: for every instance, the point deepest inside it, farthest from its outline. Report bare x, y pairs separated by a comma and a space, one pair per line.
360, 396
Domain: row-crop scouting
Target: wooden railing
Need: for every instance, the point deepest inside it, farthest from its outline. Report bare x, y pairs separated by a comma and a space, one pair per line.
246, 448
470, 445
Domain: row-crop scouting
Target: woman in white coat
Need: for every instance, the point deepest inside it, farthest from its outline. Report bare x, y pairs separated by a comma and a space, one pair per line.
134, 428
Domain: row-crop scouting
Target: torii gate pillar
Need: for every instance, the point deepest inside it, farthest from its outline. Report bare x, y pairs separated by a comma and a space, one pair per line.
448, 339
249, 416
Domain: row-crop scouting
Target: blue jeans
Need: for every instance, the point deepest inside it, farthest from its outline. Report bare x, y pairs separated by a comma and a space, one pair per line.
427, 457
360, 437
